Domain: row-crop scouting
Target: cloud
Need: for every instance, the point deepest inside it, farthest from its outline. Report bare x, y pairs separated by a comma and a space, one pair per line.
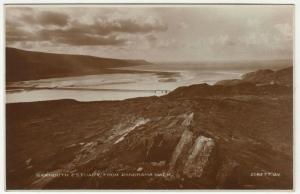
183, 25
62, 37
78, 39
27, 16
52, 18
132, 26
105, 26
151, 38
285, 29
92, 40
61, 28
155, 32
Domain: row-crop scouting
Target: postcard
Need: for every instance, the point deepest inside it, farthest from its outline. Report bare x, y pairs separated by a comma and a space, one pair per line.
149, 96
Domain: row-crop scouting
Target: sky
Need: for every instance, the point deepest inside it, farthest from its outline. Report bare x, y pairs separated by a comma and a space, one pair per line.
155, 33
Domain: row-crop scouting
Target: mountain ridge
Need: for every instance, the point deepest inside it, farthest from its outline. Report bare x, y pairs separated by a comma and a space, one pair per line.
24, 65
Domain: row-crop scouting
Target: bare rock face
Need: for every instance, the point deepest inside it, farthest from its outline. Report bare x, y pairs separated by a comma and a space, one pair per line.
190, 156
198, 157
188, 119
121, 130
183, 145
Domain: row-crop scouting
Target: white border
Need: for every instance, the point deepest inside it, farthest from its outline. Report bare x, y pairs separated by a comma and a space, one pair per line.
152, 1
296, 77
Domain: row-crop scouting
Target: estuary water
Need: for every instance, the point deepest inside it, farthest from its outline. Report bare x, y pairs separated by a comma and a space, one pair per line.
153, 80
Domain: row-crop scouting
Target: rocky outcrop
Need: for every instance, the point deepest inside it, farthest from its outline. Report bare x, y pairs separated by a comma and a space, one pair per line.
182, 147
188, 119
198, 157
120, 130
191, 157
123, 132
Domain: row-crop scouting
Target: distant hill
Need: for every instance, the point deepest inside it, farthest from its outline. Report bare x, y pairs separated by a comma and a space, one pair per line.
281, 77
24, 65
264, 77
261, 82
205, 90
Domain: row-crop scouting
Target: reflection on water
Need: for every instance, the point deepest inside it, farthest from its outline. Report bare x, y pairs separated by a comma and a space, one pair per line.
111, 86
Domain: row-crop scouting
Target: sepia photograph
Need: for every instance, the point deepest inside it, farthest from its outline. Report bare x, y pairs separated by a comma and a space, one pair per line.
149, 96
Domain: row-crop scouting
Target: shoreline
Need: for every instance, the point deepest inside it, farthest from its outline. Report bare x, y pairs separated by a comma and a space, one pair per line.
47, 90
107, 71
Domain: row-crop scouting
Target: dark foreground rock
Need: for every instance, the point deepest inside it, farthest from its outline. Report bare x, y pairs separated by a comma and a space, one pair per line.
199, 137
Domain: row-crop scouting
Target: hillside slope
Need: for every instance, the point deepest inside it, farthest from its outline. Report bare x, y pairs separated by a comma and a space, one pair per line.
27, 65
264, 77
197, 137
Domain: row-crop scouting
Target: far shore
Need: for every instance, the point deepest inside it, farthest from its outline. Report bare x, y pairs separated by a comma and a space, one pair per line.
161, 74
11, 89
